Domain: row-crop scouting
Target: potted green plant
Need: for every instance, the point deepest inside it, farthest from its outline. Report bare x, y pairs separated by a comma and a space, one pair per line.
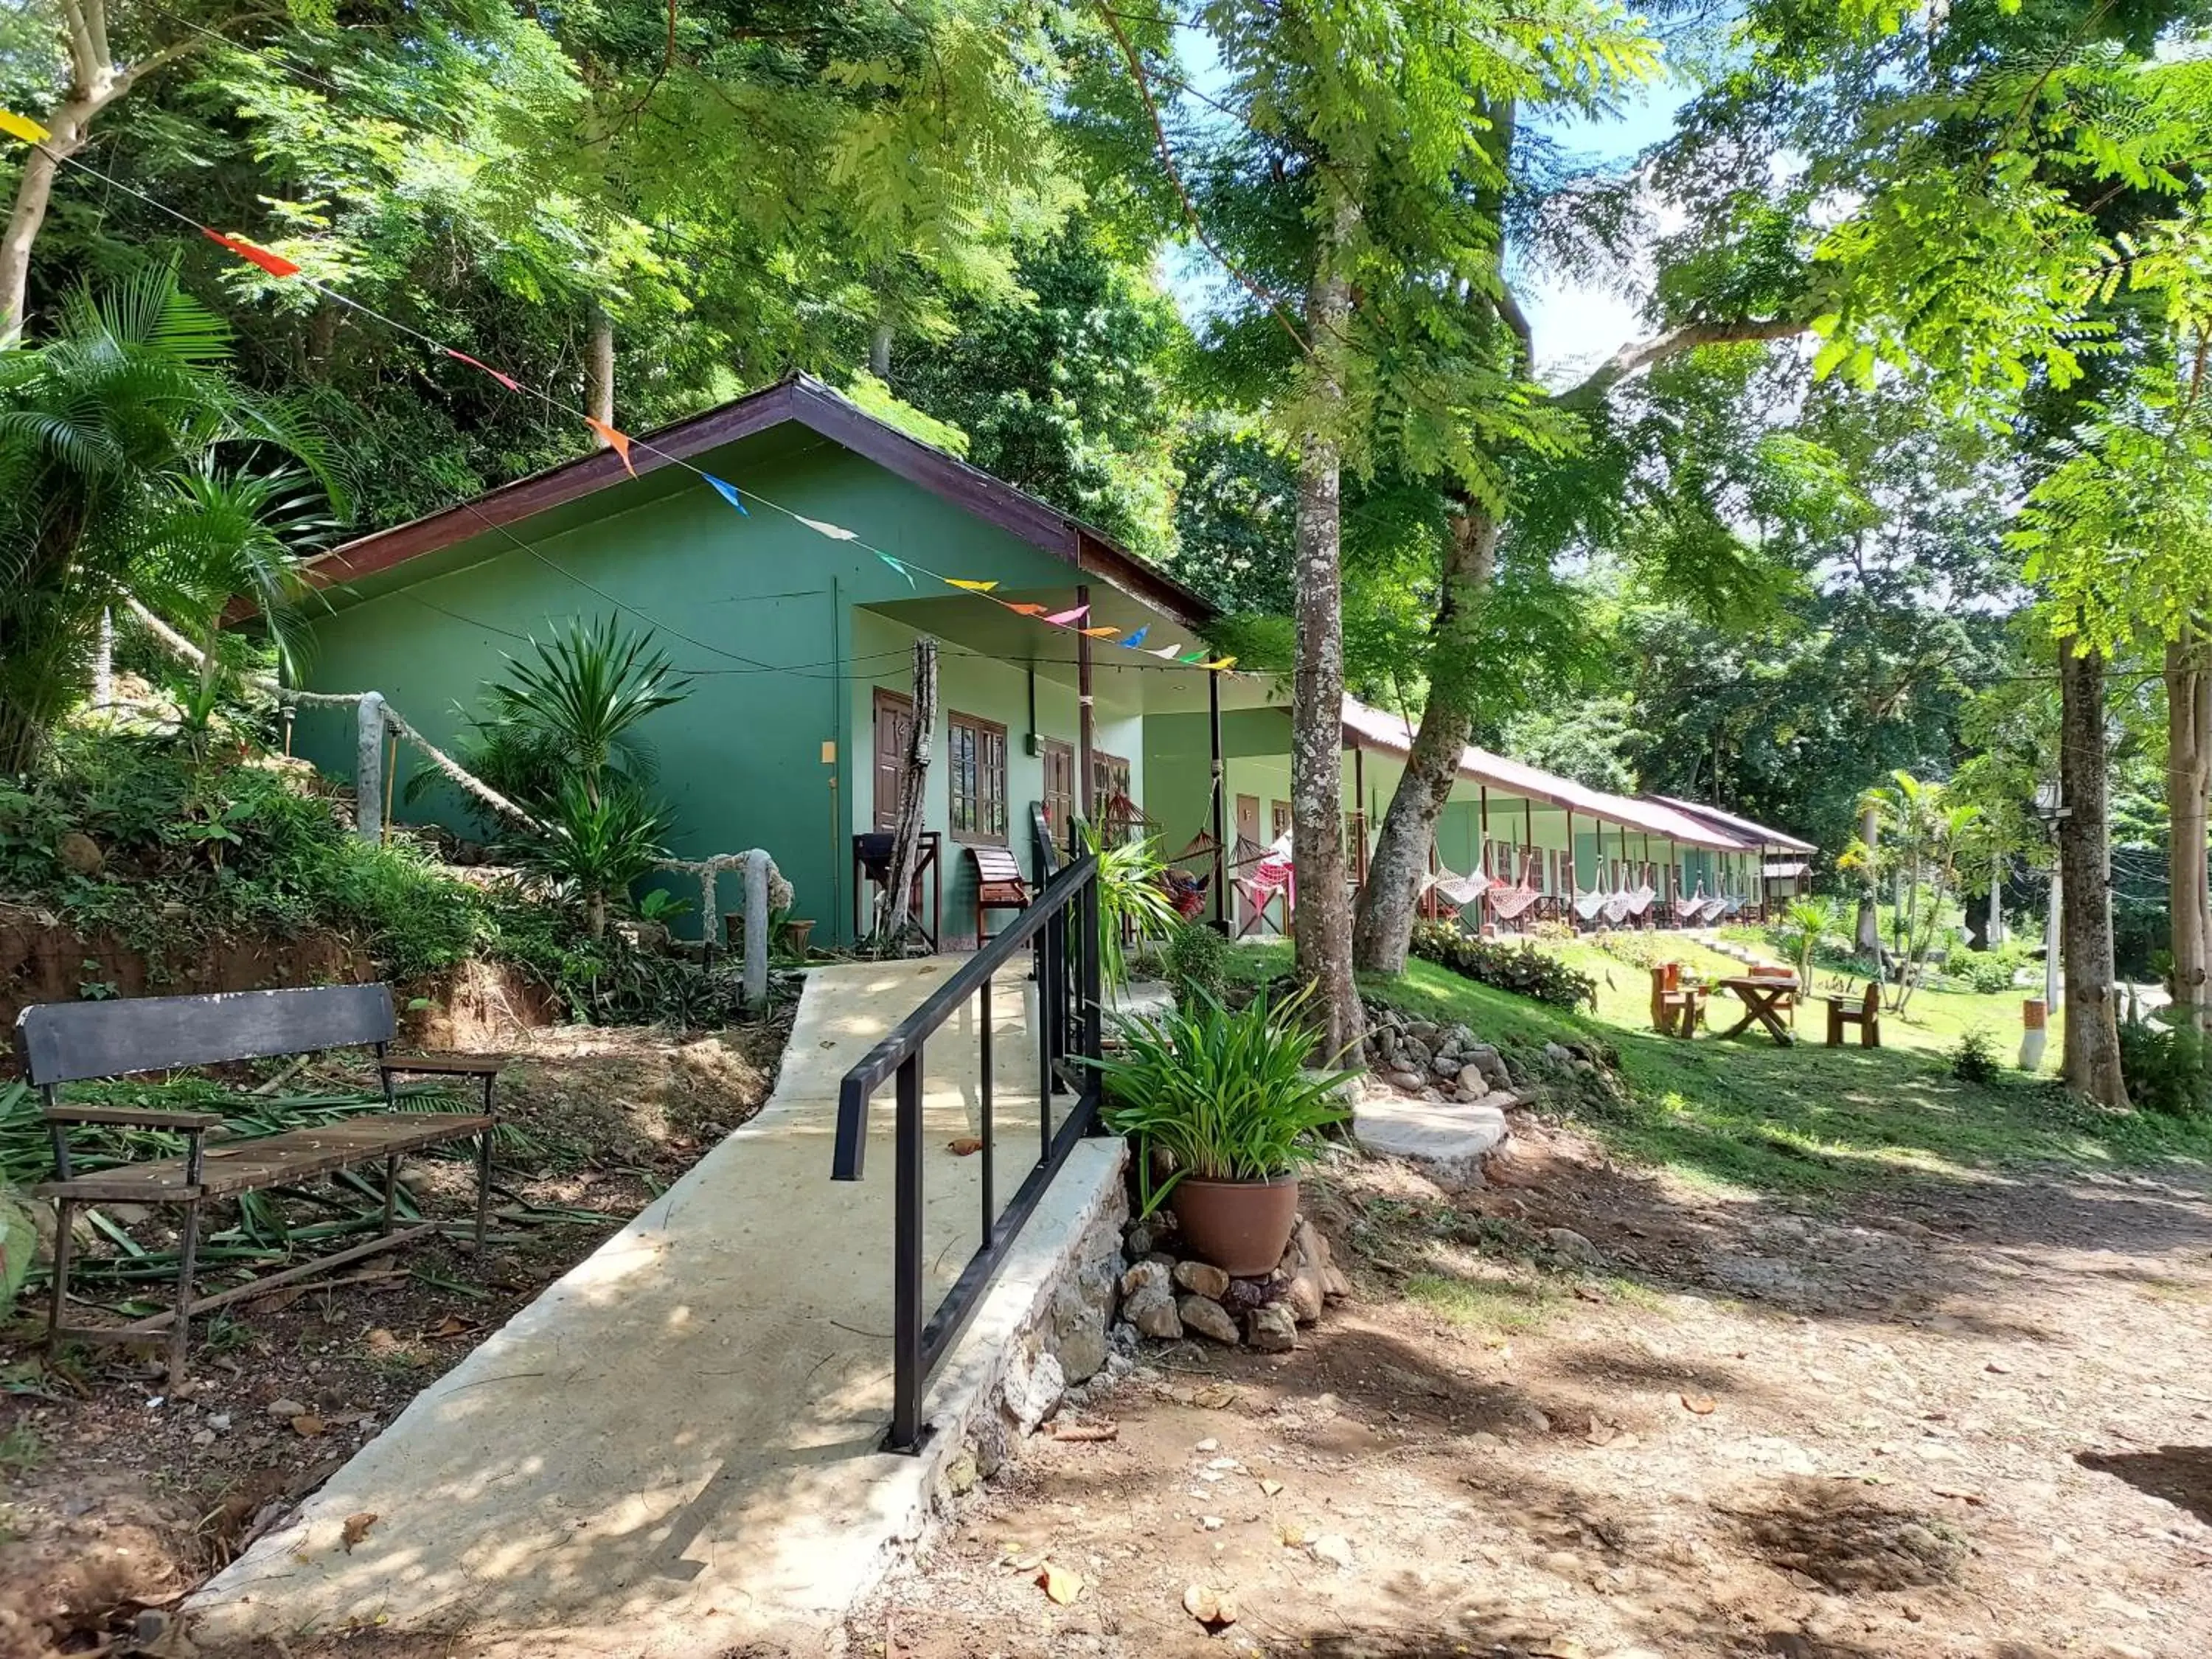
1223, 1115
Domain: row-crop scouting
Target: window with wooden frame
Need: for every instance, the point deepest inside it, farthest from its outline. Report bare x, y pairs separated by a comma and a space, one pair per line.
1109, 781
977, 786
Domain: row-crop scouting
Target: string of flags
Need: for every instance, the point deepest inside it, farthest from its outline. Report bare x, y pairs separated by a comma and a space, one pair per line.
275, 264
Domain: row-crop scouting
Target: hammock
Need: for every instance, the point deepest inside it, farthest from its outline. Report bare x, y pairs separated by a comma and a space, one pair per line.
1271, 873
1637, 902
1510, 903
1614, 910
1458, 890
1687, 910
1724, 906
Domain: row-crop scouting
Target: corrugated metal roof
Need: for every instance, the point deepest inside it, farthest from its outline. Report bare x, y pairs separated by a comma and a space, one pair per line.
1766, 836
1393, 733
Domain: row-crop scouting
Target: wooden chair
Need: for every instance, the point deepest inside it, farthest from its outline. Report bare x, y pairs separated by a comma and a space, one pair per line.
998, 885
1864, 1012
1675, 1006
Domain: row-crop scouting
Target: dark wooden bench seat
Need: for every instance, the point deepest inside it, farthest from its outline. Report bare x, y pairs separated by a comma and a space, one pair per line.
70, 1042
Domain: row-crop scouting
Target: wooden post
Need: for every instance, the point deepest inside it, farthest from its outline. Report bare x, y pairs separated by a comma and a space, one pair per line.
1220, 806
1087, 784
369, 767
895, 918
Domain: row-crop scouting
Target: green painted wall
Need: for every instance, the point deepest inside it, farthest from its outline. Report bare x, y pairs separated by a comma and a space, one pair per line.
766, 608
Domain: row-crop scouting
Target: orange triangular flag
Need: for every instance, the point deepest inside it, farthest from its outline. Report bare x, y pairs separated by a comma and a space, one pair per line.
617, 441
1023, 610
1098, 633
274, 264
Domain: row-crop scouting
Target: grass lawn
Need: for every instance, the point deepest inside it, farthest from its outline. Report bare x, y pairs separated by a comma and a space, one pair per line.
1747, 1115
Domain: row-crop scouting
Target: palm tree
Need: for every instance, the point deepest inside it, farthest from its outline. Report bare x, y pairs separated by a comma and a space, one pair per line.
1922, 834
131, 466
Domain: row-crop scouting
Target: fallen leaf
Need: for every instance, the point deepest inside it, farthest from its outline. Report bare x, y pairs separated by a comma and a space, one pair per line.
1703, 1404
1293, 1537
1025, 1560
1270, 1487
1062, 1584
966, 1146
1601, 1434
1082, 1432
381, 1342
453, 1325
308, 1425
1213, 1608
356, 1528
1213, 1396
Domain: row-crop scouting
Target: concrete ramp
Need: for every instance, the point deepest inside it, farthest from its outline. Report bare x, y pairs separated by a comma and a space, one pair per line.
672, 1450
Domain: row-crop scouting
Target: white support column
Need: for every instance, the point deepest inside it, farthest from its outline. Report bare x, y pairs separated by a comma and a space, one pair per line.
369, 768
756, 926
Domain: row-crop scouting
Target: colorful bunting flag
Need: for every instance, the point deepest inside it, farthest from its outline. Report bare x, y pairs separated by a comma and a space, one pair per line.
896, 565
507, 381
23, 127
835, 532
1023, 610
972, 586
617, 441
1137, 638
1098, 633
1068, 619
728, 492
1166, 652
1194, 657
274, 264
1220, 662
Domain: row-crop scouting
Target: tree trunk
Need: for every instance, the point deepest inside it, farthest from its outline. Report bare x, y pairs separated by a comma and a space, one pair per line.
1392, 888
879, 352
895, 919
599, 370
2092, 1024
1321, 923
2188, 785
1868, 938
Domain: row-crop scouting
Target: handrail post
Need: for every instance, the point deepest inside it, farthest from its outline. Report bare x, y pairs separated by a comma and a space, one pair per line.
906, 1265
983, 1097
1088, 950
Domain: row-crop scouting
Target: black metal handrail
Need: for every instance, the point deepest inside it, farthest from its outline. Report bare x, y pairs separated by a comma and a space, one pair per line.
1060, 931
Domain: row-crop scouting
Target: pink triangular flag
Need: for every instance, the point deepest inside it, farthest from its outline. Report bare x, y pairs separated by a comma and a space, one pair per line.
1066, 617
507, 381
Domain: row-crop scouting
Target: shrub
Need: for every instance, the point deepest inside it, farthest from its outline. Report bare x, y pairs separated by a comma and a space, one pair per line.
1637, 950
2167, 1066
1521, 969
1989, 972
1224, 1094
1195, 964
1974, 1057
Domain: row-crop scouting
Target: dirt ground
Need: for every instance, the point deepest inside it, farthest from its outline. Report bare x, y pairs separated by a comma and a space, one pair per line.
116, 1495
1968, 1419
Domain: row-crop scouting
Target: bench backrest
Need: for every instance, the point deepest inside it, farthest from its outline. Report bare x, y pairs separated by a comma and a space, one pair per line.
64, 1042
995, 866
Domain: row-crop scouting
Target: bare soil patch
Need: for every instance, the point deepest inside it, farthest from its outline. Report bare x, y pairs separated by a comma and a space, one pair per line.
116, 1497
1954, 1419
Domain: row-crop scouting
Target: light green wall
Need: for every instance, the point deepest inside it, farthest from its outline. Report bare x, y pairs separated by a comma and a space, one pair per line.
773, 638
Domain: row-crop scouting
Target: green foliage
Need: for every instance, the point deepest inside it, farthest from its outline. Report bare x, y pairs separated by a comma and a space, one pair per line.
593, 846
120, 479
1195, 962
1225, 1095
2168, 1065
19, 1237
1974, 1058
1133, 900
574, 707
1521, 969
1989, 972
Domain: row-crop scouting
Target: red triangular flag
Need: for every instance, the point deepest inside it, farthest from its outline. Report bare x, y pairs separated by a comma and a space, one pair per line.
274, 264
507, 381
617, 441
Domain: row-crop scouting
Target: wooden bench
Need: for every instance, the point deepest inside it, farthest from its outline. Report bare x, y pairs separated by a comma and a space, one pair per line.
1675, 1006
75, 1042
998, 885
1864, 1012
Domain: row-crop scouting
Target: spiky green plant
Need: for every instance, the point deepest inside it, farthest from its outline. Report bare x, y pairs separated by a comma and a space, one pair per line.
1805, 923
1133, 901
1224, 1094
593, 846
581, 698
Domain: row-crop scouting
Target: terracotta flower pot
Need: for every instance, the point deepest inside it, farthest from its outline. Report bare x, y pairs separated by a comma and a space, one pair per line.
1241, 1227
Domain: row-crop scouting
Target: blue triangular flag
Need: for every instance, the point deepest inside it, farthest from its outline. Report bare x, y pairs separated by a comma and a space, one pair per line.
728, 492
1137, 638
897, 566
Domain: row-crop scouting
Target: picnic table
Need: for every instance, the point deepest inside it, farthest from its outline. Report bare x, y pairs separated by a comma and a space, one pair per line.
1761, 995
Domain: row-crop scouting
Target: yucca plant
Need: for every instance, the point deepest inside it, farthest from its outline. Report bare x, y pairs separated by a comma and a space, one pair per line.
576, 704
1805, 923
1224, 1094
594, 846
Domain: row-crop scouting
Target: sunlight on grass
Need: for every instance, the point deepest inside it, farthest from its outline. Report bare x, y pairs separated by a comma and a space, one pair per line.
1498, 1305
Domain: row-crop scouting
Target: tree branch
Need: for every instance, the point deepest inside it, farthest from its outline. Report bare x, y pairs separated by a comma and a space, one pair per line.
1639, 354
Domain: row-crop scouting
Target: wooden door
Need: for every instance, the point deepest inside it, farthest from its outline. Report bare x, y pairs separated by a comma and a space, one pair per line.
894, 731
1058, 787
